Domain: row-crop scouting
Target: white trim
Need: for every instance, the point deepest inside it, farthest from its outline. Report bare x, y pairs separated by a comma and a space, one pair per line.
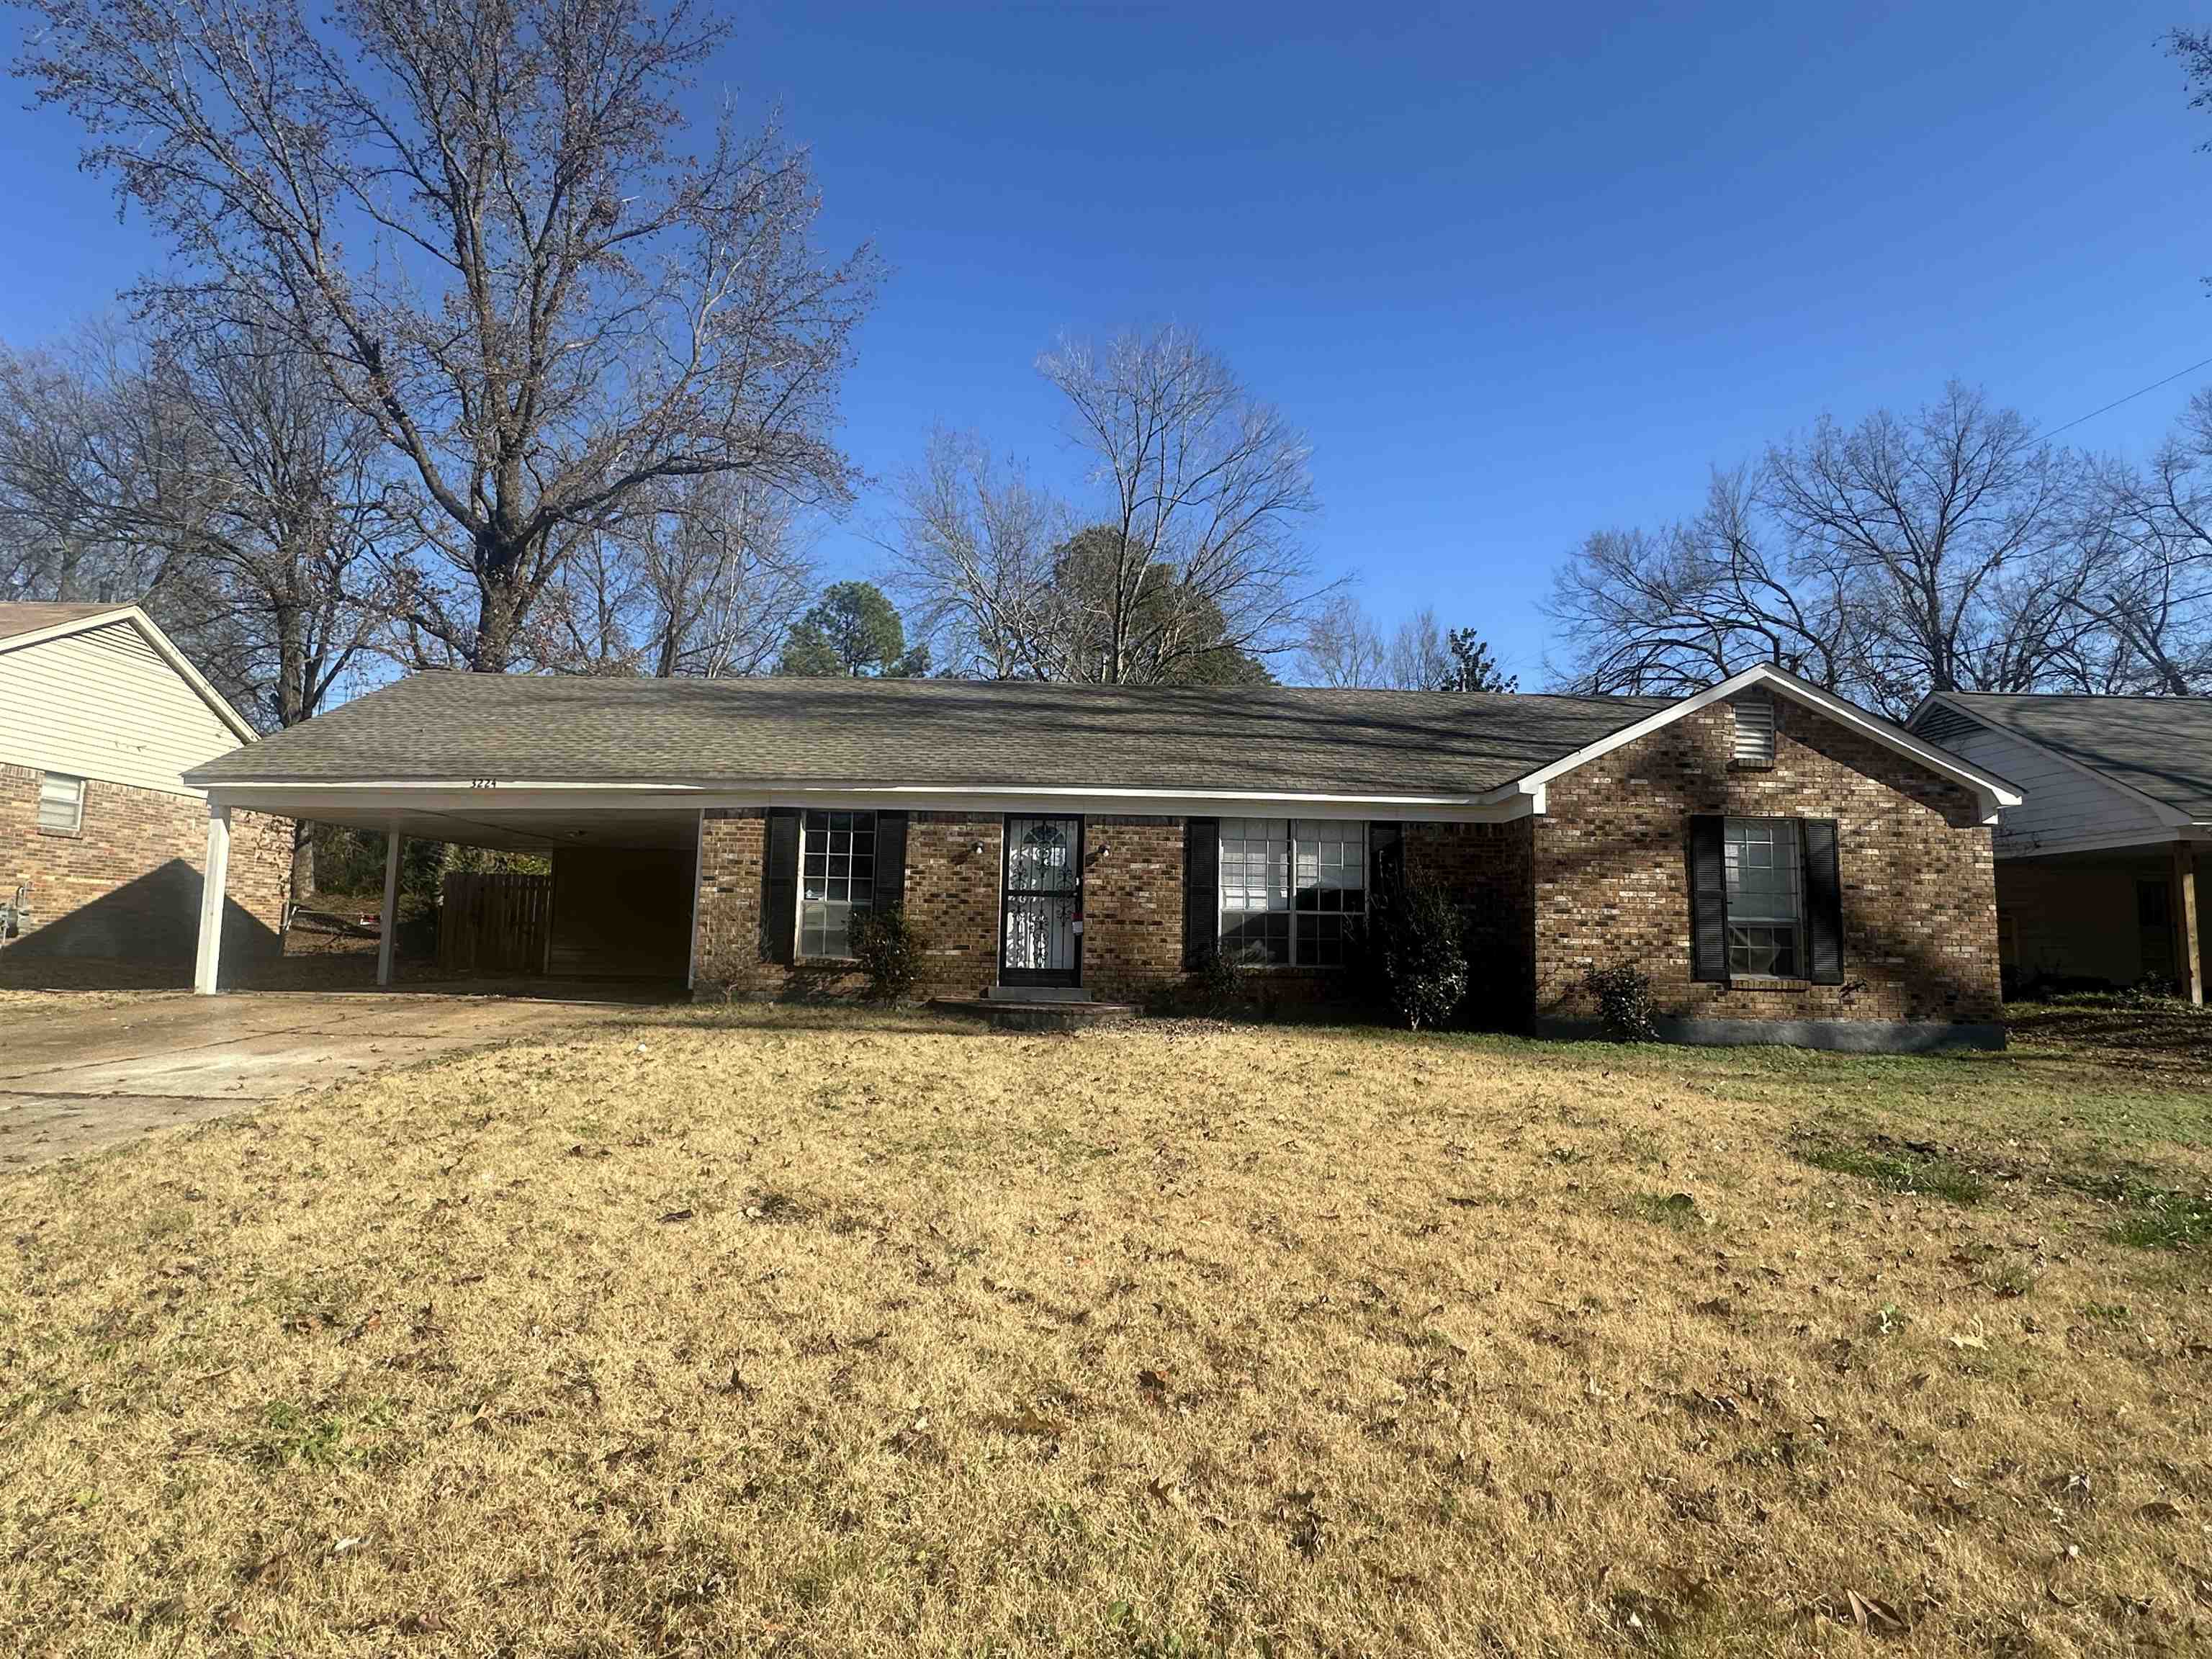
387, 920
1990, 793
457, 799
2164, 812
215, 883
154, 637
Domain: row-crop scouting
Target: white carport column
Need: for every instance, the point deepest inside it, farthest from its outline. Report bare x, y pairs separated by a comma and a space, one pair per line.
207, 965
389, 916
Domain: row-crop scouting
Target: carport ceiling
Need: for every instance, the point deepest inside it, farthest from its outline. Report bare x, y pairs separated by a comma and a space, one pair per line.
519, 831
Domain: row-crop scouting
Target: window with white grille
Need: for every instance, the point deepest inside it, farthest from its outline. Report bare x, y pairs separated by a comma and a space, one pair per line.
61, 804
1754, 732
1291, 888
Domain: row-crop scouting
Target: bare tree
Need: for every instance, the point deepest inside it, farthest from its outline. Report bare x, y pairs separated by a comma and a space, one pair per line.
1954, 535
2154, 595
471, 216
105, 479
1202, 489
1661, 614
1418, 657
1342, 647
971, 540
705, 579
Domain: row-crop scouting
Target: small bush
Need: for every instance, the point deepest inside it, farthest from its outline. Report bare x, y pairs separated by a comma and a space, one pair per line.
1415, 945
1225, 980
1624, 1007
888, 951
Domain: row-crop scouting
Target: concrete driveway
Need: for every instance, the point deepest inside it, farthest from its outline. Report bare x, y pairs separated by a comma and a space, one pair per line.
80, 1072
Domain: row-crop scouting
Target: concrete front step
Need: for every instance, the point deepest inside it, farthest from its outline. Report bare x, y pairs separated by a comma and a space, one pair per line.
1036, 993
1006, 1014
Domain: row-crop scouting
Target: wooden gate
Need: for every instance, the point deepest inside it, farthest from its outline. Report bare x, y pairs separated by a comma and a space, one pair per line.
496, 923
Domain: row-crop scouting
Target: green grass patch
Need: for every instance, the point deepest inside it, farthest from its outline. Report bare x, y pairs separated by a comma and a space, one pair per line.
1668, 1209
1896, 1167
2159, 1219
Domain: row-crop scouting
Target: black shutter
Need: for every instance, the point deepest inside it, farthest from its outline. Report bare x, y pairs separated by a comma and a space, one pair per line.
779, 885
890, 858
1708, 899
1202, 889
1385, 858
1824, 901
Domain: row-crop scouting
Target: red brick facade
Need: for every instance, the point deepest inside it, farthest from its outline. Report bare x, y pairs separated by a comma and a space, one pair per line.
1600, 879
1919, 889
126, 886
952, 901
1132, 907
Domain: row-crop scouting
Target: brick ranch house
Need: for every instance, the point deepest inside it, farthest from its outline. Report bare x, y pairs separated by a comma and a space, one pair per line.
1783, 864
100, 716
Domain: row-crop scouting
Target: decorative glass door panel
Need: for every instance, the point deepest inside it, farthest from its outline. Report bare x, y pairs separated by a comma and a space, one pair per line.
1041, 930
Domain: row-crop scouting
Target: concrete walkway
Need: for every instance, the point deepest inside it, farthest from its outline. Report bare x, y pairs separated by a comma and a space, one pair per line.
78, 1073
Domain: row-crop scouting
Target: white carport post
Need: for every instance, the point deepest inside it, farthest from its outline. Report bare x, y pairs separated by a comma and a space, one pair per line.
389, 915
208, 964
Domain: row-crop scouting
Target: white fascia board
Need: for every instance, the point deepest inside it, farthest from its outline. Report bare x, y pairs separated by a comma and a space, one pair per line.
2159, 809
302, 799
1990, 793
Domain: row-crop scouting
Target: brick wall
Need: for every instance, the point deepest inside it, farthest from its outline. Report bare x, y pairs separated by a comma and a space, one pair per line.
126, 886
1132, 907
951, 901
1486, 867
1919, 907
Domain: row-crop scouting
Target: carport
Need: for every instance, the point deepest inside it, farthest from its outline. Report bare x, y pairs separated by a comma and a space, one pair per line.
624, 872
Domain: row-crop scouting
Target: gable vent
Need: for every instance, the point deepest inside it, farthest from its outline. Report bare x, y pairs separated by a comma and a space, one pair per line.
1942, 725
1754, 732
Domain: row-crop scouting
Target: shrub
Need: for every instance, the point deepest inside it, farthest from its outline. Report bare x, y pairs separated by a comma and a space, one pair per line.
1624, 1008
888, 951
1224, 979
1415, 946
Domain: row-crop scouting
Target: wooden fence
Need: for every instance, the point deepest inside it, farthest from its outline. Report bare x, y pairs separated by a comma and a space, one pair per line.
495, 923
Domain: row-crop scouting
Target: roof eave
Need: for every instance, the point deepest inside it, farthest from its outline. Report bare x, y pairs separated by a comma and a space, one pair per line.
1992, 794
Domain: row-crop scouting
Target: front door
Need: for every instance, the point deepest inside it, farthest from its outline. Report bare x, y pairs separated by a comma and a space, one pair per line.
1040, 927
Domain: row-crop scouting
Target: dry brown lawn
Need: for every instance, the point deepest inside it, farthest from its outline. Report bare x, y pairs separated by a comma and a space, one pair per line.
763, 1332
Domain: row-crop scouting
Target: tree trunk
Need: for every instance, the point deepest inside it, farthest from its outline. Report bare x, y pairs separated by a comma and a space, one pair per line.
499, 604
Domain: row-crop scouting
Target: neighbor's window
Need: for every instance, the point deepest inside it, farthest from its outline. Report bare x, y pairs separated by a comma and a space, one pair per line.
837, 876
61, 804
1765, 897
1288, 888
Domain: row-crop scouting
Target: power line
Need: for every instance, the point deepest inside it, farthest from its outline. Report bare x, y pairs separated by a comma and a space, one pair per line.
2053, 432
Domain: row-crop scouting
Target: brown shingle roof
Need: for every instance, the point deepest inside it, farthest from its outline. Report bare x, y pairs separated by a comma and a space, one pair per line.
949, 734
16, 619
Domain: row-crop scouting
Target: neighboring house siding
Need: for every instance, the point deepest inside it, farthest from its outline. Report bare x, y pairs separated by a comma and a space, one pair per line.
126, 886
105, 704
2064, 807
1919, 910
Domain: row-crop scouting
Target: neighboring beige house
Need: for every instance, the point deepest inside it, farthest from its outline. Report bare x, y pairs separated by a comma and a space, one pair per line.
2099, 868
102, 843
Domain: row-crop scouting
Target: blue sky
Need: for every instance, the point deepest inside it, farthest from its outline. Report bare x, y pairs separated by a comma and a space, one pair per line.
1519, 276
